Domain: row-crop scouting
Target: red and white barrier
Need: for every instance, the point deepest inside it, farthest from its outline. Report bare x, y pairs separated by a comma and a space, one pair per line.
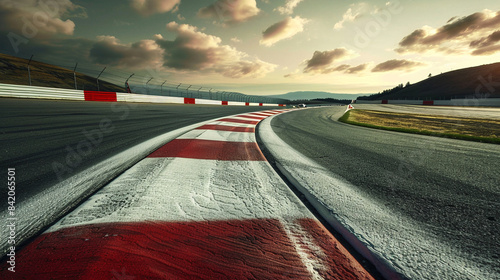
206, 205
18, 91
349, 107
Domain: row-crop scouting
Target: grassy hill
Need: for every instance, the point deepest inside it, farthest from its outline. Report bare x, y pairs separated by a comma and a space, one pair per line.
13, 70
454, 84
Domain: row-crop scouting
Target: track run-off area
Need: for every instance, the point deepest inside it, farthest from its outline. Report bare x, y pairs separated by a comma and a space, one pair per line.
184, 192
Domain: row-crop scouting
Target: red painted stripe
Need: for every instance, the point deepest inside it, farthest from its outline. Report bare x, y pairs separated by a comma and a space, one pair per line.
253, 249
428, 102
237, 121
225, 103
385, 101
208, 149
227, 128
189, 101
252, 117
99, 96
247, 104
260, 104
234, 249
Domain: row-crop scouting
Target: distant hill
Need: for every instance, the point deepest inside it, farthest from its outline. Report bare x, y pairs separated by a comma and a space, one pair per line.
13, 70
307, 95
454, 84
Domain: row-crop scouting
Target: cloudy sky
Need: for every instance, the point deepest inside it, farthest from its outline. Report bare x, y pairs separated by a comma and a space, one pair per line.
259, 46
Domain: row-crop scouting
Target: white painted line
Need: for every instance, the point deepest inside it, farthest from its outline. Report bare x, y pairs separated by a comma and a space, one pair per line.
305, 247
180, 189
248, 117
231, 124
218, 135
238, 117
257, 115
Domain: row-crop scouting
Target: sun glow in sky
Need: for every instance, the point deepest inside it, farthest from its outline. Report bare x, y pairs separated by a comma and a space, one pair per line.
259, 46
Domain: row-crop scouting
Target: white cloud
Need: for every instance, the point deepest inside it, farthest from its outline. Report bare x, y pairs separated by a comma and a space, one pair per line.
284, 29
193, 50
150, 7
42, 18
354, 12
397, 65
109, 51
288, 8
356, 69
180, 17
323, 62
230, 11
475, 34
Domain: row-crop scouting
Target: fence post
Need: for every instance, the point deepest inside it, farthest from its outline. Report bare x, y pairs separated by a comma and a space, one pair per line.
161, 87
177, 88
147, 89
98, 89
127, 86
29, 72
74, 75
199, 94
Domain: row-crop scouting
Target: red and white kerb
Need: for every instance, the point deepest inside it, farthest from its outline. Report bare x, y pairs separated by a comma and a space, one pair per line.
206, 205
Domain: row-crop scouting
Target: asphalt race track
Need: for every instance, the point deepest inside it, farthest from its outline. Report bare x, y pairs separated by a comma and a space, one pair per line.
64, 151
443, 195
35, 134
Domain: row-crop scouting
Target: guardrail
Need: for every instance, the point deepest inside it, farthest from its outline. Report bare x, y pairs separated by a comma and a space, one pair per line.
20, 91
489, 102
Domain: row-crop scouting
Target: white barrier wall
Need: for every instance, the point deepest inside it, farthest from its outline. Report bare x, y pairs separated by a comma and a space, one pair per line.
7, 90
208, 102
234, 103
127, 97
